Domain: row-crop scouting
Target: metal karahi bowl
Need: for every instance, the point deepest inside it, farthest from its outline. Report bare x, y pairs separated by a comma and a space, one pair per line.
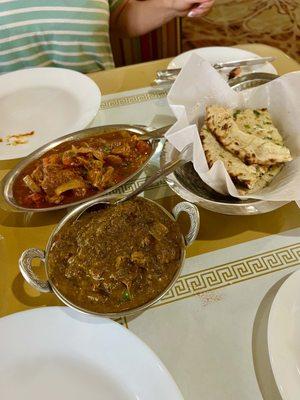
25, 261
7, 200
187, 184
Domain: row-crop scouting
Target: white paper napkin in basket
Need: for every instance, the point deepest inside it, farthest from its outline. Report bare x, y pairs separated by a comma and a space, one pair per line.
199, 85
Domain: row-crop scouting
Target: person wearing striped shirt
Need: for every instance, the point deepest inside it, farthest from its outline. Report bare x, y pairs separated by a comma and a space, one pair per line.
75, 33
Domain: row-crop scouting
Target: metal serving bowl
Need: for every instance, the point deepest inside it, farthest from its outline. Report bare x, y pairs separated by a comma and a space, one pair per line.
188, 185
7, 200
25, 261
249, 81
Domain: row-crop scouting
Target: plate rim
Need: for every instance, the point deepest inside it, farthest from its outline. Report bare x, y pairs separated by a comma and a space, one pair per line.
170, 66
28, 73
271, 320
72, 314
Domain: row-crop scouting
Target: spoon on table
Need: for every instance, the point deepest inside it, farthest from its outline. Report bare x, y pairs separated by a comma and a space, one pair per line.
156, 134
184, 156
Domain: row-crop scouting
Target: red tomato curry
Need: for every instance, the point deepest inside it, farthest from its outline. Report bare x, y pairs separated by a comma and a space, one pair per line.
79, 169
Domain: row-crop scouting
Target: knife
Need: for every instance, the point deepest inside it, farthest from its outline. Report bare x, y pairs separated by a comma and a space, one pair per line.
231, 64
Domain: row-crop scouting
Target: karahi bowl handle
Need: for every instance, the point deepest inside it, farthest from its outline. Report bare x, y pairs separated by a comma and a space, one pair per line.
25, 266
194, 215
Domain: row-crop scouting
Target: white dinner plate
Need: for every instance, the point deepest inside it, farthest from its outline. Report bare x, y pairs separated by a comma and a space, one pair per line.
58, 353
52, 102
222, 54
284, 338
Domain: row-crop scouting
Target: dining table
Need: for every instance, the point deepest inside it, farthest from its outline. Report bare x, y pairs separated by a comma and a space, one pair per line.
210, 329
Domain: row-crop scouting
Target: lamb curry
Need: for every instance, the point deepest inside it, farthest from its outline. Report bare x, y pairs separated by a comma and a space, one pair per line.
117, 258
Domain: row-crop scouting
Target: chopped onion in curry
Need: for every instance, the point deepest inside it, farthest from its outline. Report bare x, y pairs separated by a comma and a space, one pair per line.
80, 168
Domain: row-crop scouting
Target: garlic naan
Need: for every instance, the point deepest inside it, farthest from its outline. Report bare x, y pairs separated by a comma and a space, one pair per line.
241, 174
257, 122
249, 148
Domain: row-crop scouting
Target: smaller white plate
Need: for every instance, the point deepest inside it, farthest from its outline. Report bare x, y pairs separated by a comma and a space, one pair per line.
57, 353
284, 338
222, 54
52, 102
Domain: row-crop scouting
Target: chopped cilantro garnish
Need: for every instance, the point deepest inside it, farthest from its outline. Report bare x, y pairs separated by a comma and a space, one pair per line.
106, 149
257, 113
267, 123
126, 295
236, 113
247, 126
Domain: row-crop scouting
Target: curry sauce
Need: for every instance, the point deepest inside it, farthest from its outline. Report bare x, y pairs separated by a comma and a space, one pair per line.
117, 258
80, 168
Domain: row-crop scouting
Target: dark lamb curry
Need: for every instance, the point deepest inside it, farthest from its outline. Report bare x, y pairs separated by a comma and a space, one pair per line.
117, 258
79, 169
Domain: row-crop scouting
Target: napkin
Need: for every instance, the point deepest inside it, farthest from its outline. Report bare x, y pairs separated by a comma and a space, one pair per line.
199, 85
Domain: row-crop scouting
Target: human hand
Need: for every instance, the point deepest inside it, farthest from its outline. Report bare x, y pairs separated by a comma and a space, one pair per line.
192, 8
136, 17
201, 9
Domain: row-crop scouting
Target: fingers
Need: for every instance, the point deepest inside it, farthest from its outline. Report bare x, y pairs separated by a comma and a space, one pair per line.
202, 9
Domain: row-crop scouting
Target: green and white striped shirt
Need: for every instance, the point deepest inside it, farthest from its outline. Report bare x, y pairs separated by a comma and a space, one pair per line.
59, 33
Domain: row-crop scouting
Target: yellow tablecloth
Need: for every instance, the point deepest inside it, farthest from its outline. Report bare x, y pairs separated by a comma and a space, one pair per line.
20, 231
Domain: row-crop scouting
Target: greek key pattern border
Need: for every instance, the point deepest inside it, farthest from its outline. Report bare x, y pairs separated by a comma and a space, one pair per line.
132, 185
231, 273
133, 99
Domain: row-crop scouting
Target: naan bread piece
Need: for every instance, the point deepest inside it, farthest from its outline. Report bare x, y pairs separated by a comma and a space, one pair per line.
241, 174
258, 122
263, 181
249, 148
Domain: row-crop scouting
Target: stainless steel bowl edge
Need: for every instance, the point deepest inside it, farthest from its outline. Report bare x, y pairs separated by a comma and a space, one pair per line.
71, 216
6, 196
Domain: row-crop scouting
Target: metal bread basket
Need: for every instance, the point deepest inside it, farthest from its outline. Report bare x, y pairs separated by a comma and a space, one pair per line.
188, 185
